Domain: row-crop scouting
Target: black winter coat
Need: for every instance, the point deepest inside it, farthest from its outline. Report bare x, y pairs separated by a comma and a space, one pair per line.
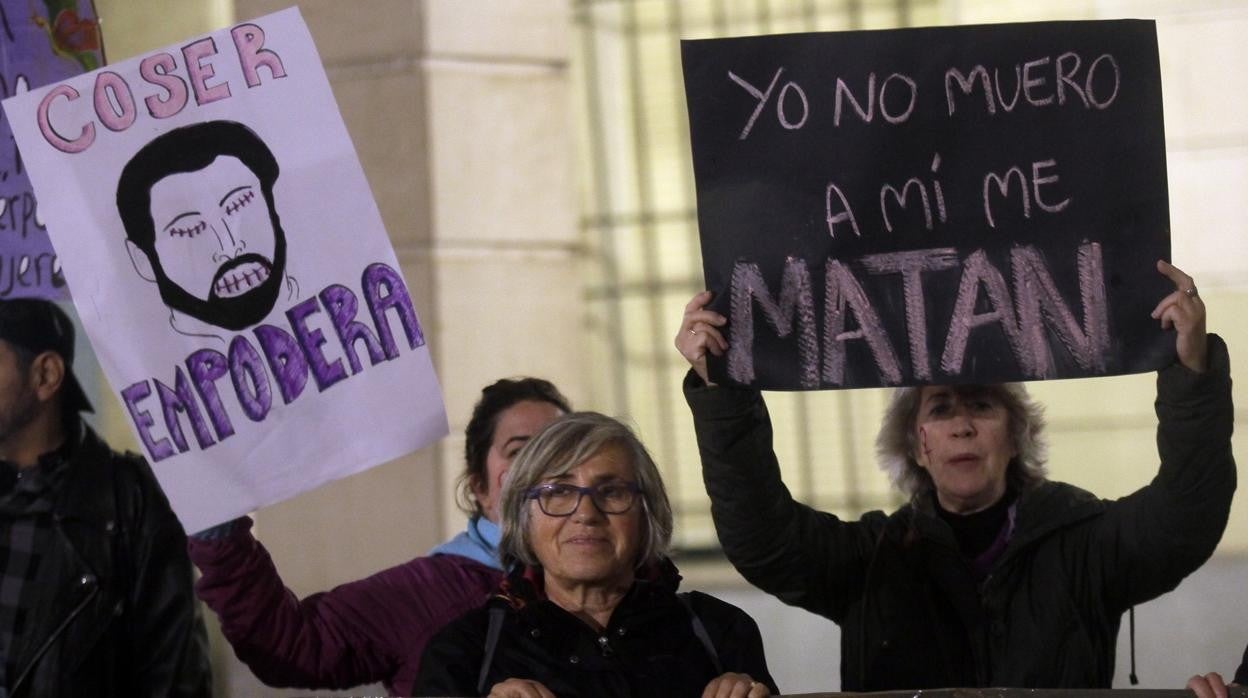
116, 616
910, 612
649, 648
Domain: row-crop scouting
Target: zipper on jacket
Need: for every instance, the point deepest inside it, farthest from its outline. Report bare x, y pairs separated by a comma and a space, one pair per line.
983, 664
47, 643
604, 646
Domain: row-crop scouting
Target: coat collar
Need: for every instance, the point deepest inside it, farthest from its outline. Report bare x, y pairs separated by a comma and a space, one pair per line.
525, 585
1041, 510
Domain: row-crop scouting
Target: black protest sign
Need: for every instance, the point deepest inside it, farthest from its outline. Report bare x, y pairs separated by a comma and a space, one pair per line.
938, 205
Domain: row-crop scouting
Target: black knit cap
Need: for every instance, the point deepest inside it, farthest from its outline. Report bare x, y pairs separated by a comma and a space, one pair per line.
38, 326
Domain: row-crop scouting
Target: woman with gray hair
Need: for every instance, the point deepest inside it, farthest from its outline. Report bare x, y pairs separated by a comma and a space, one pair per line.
590, 607
897, 440
990, 575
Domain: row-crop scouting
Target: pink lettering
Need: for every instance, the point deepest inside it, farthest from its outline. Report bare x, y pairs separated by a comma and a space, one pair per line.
85, 137
158, 70
249, 40
114, 103
200, 72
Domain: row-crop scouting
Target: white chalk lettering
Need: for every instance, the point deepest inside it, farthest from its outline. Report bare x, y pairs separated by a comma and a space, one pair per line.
846, 212
911, 265
1042, 82
762, 98
900, 197
867, 115
967, 84
1037, 181
1018, 88
1038, 300
1031, 83
780, 102
1031, 316
1029, 194
844, 292
1065, 78
796, 302
1003, 188
1113, 65
977, 271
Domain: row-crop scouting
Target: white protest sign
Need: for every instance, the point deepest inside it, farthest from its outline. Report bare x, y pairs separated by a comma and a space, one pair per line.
231, 267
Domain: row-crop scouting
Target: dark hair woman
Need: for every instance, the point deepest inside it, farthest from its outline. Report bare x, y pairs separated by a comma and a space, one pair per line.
376, 628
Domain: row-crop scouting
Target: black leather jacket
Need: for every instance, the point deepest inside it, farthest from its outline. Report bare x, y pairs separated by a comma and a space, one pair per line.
649, 648
115, 615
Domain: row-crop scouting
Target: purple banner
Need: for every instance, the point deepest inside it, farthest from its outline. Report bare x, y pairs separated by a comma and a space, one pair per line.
41, 41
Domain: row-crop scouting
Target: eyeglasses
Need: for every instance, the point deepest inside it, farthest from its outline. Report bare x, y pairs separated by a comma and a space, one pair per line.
562, 499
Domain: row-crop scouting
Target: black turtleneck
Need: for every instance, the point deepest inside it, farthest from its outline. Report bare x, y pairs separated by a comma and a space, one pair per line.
975, 532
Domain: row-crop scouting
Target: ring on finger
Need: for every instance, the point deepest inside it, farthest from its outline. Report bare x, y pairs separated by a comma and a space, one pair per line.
1190, 291
693, 332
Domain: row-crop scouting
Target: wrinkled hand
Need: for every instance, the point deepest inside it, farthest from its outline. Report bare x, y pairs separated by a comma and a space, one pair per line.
520, 688
699, 333
1185, 312
1210, 685
730, 685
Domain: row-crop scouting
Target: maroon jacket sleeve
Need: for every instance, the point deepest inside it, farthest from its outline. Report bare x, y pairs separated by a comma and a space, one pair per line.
373, 629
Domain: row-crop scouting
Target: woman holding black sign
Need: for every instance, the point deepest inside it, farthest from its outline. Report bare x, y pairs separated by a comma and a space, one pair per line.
991, 575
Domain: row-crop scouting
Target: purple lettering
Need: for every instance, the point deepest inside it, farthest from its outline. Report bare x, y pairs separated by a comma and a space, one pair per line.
342, 305
251, 381
180, 399
311, 340
285, 359
205, 367
376, 277
143, 422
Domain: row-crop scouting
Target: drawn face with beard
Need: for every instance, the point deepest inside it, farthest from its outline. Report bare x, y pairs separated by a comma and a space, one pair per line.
216, 244
197, 205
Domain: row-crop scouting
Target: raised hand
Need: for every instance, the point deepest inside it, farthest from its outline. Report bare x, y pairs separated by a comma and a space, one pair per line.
1184, 311
699, 333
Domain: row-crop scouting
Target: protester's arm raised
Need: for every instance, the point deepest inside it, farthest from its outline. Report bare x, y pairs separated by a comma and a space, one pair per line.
805, 557
321, 641
699, 334
1148, 541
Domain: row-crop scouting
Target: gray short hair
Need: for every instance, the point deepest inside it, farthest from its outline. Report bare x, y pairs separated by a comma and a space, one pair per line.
895, 445
564, 444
